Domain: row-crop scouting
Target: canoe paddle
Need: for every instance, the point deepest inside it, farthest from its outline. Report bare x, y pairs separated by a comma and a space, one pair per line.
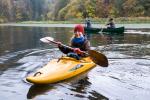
103, 26
97, 57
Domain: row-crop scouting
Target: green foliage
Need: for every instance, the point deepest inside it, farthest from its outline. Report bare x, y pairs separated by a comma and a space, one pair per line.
23, 10
18, 14
59, 5
133, 8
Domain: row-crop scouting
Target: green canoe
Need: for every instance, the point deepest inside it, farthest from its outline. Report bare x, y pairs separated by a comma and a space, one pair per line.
105, 30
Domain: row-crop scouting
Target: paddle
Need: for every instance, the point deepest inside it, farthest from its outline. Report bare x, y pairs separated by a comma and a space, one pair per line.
97, 57
103, 26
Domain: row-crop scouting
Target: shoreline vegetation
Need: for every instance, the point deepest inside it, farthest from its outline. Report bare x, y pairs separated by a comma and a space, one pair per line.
122, 20
74, 11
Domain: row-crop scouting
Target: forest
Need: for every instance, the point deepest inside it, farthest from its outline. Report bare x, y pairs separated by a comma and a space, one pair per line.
61, 10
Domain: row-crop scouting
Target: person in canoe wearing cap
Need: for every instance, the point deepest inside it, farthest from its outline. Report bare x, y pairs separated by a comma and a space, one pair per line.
78, 41
88, 23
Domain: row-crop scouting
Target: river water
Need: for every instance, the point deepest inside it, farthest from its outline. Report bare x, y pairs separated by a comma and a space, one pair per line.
126, 78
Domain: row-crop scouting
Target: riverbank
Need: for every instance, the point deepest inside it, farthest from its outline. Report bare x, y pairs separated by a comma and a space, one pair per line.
122, 20
127, 26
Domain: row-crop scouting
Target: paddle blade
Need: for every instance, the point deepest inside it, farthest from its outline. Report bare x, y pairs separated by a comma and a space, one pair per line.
98, 58
47, 39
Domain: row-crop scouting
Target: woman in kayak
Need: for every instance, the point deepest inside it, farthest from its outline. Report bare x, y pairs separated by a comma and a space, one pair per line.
79, 43
111, 23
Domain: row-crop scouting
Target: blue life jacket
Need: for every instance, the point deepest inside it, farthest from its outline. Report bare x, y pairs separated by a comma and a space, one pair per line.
80, 40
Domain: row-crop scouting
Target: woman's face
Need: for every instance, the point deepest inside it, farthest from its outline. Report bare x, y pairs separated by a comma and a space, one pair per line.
78, 34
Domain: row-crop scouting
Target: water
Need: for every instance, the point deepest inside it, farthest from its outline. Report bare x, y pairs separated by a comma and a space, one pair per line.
126, 78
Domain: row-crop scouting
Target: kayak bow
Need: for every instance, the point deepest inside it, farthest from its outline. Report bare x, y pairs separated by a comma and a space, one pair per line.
61, 69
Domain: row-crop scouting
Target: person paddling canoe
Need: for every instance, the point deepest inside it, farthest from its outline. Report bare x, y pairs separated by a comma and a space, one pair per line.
88, 23
78, 41
111, 23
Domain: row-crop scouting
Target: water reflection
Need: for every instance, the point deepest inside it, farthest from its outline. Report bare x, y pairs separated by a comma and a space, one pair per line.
20, 38
36, 90
80, 84
96, 96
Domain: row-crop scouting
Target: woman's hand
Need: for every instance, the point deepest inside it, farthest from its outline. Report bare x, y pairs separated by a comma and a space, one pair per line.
59, 44
77, 50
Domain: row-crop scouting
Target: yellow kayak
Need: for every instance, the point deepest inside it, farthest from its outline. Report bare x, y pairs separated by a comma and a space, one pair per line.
60, 69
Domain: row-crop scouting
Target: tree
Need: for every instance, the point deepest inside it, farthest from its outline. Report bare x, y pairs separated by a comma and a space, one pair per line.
59, 5
146, 5
133, 8
18, 14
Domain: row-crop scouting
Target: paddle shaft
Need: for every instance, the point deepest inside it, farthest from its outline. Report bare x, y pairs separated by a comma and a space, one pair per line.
65, 46
103, 26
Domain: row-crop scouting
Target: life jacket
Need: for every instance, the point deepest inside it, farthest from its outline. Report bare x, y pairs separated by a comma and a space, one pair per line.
78, 43
79, 40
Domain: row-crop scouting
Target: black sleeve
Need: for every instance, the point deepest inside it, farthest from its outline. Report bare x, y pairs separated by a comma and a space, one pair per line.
65, 50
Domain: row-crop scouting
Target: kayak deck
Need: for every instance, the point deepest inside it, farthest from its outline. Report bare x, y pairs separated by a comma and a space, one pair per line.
60, 69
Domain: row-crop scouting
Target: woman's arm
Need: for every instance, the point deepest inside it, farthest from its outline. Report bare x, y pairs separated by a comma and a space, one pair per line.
65, 50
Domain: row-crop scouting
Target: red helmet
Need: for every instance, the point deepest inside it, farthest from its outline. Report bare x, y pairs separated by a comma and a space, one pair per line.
79, 28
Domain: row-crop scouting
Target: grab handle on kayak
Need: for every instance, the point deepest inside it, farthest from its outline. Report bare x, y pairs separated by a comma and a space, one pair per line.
37, 74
